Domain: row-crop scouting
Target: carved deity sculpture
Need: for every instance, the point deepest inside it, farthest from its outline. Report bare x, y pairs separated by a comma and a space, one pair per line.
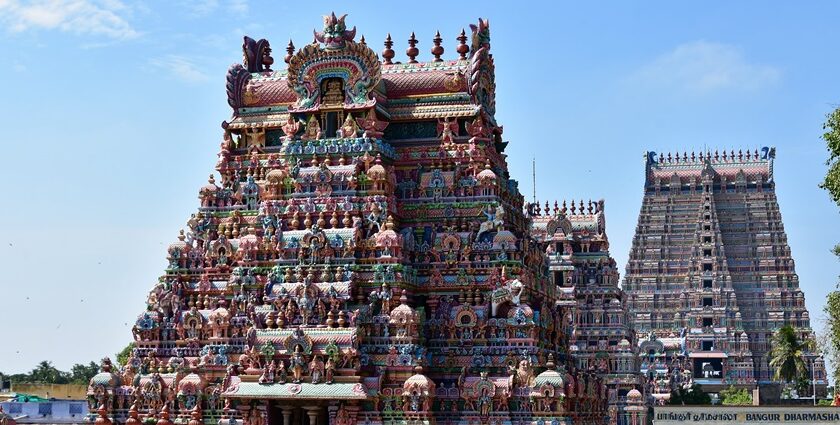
297, 364
385, 295
267, 376
329, 370
281, 374
316, 369
349, 128
313, 129
291, 128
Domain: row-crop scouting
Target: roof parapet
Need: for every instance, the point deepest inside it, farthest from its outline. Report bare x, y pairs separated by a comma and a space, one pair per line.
582, 208
714, 157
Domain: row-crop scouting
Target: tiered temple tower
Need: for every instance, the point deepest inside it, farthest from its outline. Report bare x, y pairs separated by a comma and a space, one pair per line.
601, 340
362, 257
710, 275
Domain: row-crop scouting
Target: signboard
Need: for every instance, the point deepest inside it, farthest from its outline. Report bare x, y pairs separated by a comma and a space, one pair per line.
743, 415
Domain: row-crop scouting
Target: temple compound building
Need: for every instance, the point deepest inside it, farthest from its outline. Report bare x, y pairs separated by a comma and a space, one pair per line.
362, 256
710, 275
575, 241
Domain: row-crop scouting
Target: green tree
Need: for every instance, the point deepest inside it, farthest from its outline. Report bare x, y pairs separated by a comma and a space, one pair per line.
787, 354
46, 373
735, 397
831, 333
18, 378
832, 140
830, 340
122, 356
691, 396
81, 374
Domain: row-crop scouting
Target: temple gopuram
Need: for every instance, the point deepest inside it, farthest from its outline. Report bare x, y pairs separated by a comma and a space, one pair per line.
575, 241
710, 275
362, 256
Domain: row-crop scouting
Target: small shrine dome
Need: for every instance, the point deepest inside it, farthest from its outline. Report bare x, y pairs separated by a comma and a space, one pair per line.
377, 171
210, 186
522, 310
634, 396
550, 376
387, 237
181, 245
250, 239
191, 383
105, 377
220, 313
403, 313
505, 237
276, 175
419, 384
486, 175
109, 380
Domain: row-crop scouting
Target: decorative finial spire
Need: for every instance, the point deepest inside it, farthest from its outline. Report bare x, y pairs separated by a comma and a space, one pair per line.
133, 415
290, 50
437, 50
164, 416
412, 51
362, 41
195, 416
463, 49
388, 53
103, 416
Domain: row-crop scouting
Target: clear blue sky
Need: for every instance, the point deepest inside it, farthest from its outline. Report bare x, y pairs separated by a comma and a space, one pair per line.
111, 113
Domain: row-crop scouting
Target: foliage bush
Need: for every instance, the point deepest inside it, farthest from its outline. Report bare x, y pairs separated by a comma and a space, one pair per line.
736, 397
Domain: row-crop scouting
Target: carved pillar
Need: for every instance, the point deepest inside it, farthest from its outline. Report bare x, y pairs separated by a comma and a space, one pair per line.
287, 415
312, 411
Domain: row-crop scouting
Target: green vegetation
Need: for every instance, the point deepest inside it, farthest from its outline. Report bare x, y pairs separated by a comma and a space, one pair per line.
46, 373
122, 356
832, 140
692, 396
787, 354
830, 340
736, 397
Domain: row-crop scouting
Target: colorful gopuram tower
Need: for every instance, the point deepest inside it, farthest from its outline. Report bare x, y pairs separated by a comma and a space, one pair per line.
710, 275
575, 241
362, 256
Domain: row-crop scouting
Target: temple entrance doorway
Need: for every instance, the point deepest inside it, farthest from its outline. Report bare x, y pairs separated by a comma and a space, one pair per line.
287, 414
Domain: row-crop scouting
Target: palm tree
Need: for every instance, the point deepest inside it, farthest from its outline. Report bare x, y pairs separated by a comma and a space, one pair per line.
787, 354
46, 373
